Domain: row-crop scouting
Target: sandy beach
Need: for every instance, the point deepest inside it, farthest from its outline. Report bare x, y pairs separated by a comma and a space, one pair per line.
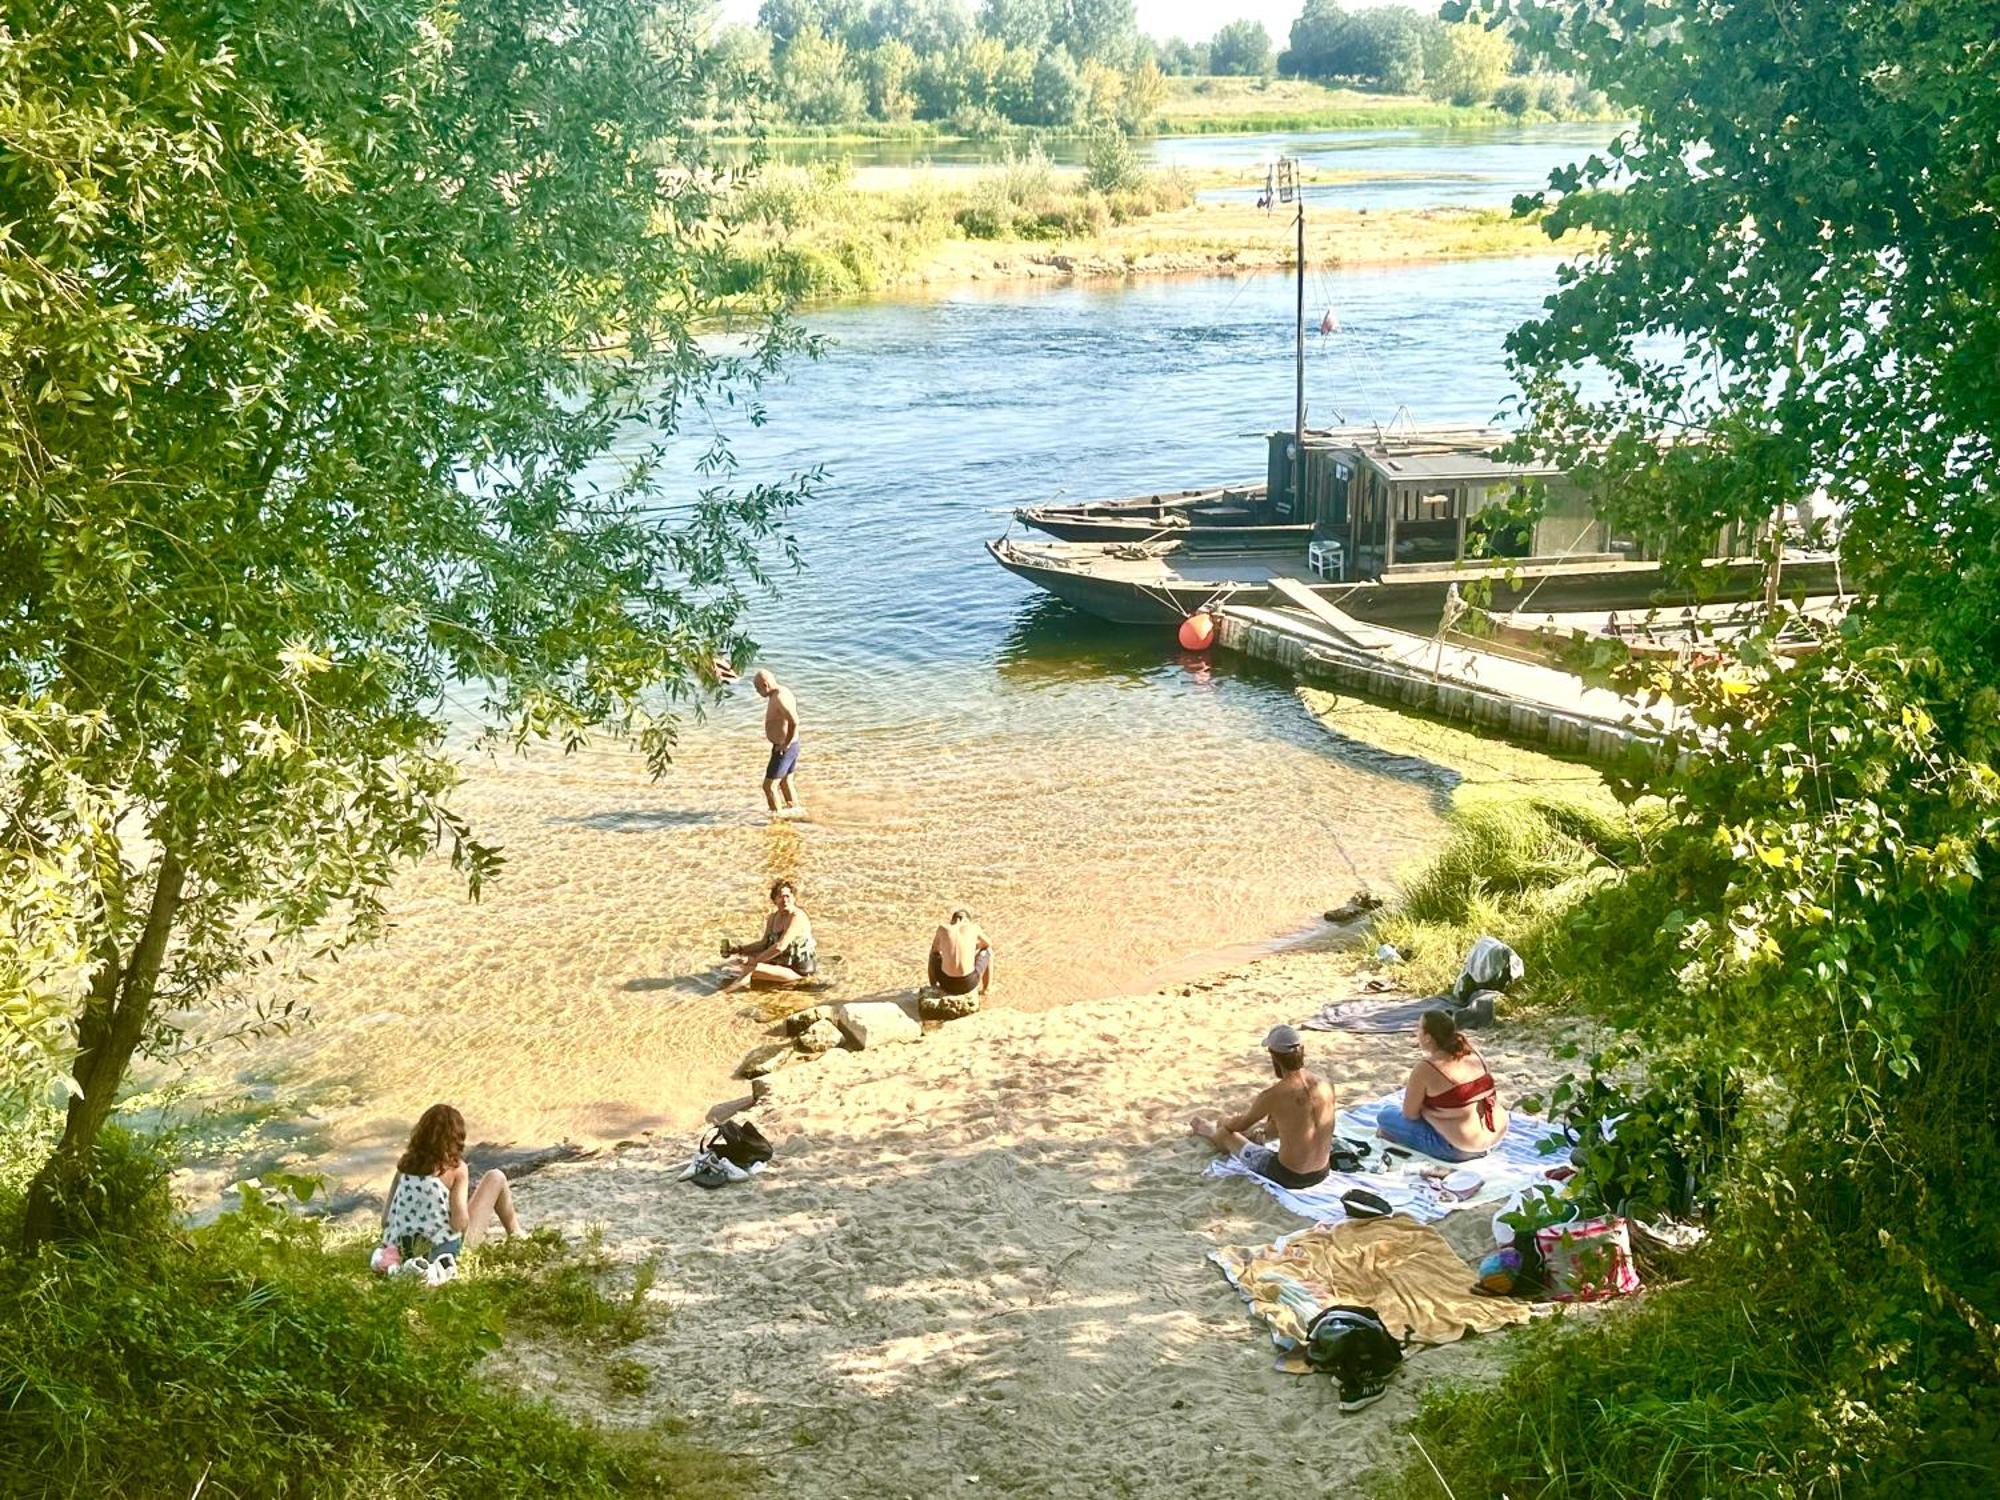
977, 1264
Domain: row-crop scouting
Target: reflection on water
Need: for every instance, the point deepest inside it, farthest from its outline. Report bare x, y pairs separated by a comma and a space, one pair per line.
1106, 804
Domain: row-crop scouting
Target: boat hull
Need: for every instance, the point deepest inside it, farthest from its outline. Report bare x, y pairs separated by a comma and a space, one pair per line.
1405, 603
1283, 537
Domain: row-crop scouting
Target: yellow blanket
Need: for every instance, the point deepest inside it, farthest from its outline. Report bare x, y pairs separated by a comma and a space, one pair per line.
1404, 1270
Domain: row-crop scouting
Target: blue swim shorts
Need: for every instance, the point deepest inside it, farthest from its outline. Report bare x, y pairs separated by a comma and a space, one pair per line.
783, 762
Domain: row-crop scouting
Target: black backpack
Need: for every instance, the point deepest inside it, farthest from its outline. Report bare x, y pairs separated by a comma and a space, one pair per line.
1352, 1345
739, 1143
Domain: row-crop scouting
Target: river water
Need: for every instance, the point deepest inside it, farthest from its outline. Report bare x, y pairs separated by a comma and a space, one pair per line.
1112, 809
1411, 167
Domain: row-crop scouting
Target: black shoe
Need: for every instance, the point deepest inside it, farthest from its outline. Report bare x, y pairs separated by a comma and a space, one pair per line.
1356, 1394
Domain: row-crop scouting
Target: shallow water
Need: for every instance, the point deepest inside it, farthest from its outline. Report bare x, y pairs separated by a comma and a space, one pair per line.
1106, 805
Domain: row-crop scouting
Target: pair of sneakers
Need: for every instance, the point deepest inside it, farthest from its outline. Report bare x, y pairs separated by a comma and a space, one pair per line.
1355, 1394
711, 1171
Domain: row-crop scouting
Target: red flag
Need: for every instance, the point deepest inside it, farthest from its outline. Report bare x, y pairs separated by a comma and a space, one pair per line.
1328, 323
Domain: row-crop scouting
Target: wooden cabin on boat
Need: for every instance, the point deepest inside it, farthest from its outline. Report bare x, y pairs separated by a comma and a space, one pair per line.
1398, 504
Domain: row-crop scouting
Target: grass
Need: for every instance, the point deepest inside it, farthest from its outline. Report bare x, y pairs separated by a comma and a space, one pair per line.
1530, 837
258, 1356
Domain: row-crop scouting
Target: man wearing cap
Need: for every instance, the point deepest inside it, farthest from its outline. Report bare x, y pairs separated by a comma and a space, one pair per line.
1299, 1108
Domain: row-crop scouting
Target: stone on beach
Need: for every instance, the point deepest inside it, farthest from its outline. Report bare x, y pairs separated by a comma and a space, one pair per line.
819, 1035
875, 1023
766, 1059
935, 1005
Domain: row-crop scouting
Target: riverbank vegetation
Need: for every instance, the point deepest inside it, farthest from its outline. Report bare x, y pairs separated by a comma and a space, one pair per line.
1796, 963
847, 66
258, 1356
820, 232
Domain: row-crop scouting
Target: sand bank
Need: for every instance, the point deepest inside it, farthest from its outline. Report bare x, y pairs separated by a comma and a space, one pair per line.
977, 1265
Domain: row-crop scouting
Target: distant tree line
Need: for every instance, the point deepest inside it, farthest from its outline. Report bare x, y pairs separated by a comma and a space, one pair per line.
1062, 64
1409, 52
1082, 64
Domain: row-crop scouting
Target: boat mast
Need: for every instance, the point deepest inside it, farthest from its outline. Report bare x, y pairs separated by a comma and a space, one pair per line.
1289, 192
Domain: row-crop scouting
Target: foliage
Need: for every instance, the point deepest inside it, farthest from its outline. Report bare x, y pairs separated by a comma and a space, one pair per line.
1514, 866
1804, 205
258, 1356
1242, 48
1385, 44
817, 81
843, 62
1515, 96
1464, 63
1111, 165
316, 327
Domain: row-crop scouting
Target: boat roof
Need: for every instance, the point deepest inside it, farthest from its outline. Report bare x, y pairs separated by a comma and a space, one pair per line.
1429, 454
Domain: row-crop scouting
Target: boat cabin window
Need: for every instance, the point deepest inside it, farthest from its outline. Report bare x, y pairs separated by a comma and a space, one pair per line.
1426, 524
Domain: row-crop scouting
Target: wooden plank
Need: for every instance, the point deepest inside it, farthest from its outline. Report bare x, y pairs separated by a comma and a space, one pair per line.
1339, 622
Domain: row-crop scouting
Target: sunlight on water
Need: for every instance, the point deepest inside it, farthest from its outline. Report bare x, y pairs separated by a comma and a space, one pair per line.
1105, 805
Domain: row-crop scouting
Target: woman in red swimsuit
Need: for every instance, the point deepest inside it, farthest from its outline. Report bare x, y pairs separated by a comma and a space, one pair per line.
1451, 1107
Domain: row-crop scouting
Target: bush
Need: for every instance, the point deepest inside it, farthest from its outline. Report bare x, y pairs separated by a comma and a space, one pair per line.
1552, 94
1514, 97
259, 1357
1111, 165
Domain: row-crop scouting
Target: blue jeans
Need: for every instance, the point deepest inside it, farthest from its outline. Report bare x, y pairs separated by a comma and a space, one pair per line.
1419, 1135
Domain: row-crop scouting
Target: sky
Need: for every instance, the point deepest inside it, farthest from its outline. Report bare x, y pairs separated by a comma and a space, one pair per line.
1193, 20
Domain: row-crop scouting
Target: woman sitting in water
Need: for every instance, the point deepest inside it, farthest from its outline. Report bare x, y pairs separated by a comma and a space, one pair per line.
430, 1212
786, 955
1451, 1106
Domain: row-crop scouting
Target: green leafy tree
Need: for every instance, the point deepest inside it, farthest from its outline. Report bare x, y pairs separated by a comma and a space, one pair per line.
817, 81
1139, 101
1241, 49
1181, 59
319, 328
1464, 63
1020, 23
1317, 37
1798, 235
890, 68
1105, 31
1055, 96
925, 26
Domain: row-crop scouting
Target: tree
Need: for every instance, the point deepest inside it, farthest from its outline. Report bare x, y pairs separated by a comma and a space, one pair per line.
890, 68
1103, 91
319, 327
1020, 23
1179, 59
1241, 49
1465, 63
1139, 103
925, 26
1793, 274
817, 82
1054, 95
1105, 31
1316, 40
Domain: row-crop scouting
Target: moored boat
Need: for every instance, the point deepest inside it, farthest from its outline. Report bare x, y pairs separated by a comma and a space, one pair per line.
1239, 516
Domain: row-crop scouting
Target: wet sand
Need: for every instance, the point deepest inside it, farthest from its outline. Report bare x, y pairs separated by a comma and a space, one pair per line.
577, 1001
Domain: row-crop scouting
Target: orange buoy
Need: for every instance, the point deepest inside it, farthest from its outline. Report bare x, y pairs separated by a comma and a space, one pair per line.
1198, 631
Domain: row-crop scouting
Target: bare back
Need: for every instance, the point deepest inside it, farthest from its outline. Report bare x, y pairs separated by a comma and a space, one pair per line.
957, 945
1300, 1108
781, 718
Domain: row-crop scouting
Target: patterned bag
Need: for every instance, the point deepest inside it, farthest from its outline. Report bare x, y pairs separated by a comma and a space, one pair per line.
1586, 1261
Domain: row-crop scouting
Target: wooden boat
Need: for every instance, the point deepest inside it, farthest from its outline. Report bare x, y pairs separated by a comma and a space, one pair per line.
1237, 517
1163, 583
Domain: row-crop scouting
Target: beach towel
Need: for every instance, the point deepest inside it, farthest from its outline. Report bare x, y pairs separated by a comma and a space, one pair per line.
1373, 1015
1404, 1270
1514, 1165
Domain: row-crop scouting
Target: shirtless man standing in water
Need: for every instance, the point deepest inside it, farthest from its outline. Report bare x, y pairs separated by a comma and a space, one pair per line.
1300, 1108
781, 728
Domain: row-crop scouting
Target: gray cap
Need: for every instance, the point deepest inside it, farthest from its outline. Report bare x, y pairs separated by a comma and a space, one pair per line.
1283, 1039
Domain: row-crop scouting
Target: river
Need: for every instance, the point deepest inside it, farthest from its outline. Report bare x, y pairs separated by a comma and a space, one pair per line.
1114, 811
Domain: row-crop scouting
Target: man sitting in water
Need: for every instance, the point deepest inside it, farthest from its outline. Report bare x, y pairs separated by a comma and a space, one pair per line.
961, 958
781, 728
1299, 1107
